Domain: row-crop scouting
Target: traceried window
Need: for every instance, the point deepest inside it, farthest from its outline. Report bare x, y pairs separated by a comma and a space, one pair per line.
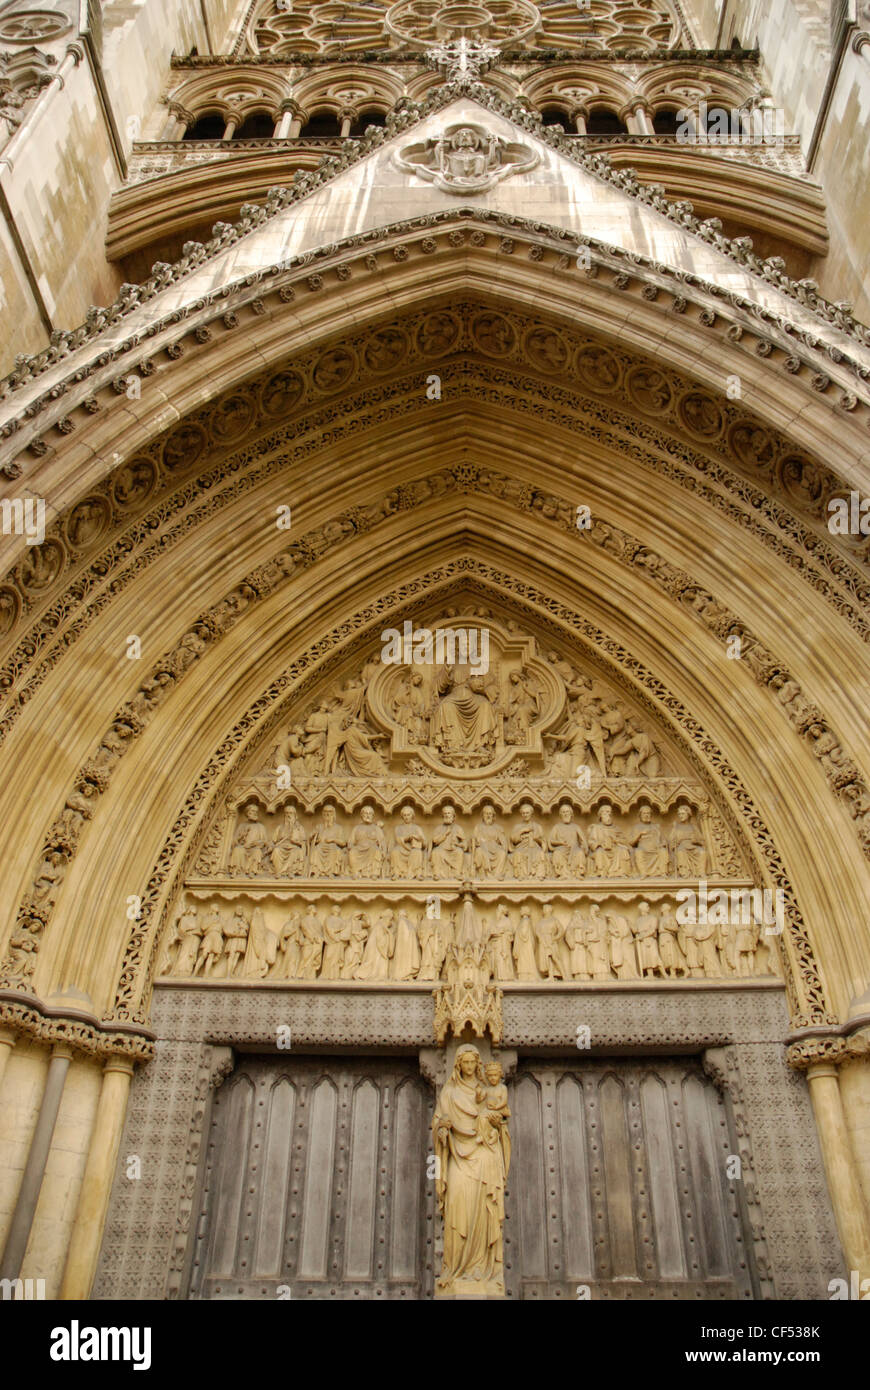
282, 27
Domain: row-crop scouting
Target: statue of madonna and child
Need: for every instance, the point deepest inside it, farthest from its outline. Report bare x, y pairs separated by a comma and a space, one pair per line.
473, 1153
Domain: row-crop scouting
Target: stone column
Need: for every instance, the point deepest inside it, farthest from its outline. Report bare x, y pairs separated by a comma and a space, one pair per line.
34, 1170
347, 118
845, 1189
292, 119
285, 120
7, 1042
229, 129
637, 120
93, 1203
579, 119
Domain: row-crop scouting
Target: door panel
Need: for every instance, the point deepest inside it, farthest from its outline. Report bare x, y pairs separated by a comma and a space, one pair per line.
619, 1183
315, 1179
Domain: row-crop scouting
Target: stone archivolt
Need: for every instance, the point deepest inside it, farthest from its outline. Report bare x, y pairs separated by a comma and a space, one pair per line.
35, 911
190, 443
690, 426
62, 841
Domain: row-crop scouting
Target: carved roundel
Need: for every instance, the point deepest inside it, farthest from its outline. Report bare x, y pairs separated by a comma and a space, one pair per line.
386, 349
752, 444
34, 26
280, 393
9, 609
41, 566
86, 522
801, 481
438, 333
546, 349
493, 334
233, 418
649, 390
700, 415
333, 368
133, 483
598, 369
185, 446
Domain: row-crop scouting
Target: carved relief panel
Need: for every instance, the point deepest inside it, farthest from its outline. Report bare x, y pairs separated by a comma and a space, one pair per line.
467, 811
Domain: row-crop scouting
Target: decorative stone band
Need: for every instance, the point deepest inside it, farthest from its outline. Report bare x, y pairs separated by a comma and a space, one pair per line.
837, 1043
27, 1017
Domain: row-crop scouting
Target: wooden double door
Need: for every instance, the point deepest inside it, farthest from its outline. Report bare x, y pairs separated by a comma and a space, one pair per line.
317, 1182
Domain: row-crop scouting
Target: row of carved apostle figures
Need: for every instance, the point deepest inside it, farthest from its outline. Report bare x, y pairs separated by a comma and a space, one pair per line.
491, 851
388, 944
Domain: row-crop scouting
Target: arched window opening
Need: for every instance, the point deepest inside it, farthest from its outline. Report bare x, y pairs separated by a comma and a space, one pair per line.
367, 118
322, 123
259, 125
600, 121
211, 126
665, 122
554, 115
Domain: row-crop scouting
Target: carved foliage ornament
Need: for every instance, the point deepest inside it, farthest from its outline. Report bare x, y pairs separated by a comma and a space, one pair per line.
466, 158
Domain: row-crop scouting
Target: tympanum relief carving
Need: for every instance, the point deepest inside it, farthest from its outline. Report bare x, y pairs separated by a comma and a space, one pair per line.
469, 824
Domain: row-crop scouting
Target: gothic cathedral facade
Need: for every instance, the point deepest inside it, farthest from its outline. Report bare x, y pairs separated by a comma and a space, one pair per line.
433, 649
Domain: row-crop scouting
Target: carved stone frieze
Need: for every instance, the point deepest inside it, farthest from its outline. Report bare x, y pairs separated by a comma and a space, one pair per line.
362, 934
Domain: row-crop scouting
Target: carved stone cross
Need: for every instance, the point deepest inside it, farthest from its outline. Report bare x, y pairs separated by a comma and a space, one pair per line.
462, 60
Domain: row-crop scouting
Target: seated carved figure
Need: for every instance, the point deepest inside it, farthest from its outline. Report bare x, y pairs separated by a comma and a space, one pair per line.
328, 846
407, 854
489, 846
567, 845
288, 846
610, 853
686, 843
449, 845
251, 843
528, 859
650, 850
367, 846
